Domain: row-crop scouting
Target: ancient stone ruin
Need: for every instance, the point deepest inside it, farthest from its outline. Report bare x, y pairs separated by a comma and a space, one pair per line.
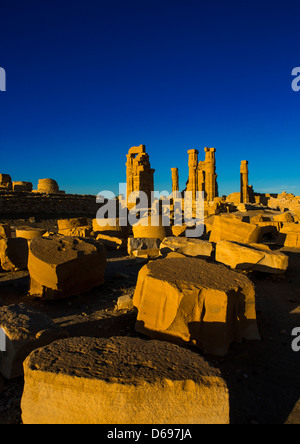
202, 175
144, 324
140, 175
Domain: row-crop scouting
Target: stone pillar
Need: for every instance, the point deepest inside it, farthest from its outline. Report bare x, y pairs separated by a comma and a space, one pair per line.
175, 180
192, 184
211, 187
244, 197
201, 176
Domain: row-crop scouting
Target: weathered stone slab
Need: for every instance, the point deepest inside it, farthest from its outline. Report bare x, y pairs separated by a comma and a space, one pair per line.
271, 227
289, 240
284, 217
289, 235
121, 381
111, 242
13, 254
69, 224
290, 228
29, 233
76, 232
232, 229
187, 246
65, 266
188, 300
255, 257
26, 329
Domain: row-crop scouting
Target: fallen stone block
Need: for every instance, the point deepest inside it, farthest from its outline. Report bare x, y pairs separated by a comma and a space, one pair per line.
254, 257
112, 242
69, 224
186, 246
66, 266
76, 232
121, 381
232, 229
289, 240
271, 227
146, 254
13, 254
289, 236
208, 222
290, 228
26, 329
137, 246
188, 300
261, 217
284, 217
29, 233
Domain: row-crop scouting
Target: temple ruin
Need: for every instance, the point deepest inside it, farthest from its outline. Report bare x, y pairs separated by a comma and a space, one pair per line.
140, 175
202, 175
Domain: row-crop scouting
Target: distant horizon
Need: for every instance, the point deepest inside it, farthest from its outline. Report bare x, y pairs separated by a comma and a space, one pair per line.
75, 189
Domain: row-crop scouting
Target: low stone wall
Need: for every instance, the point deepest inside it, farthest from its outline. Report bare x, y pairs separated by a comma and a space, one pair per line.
23, 205
285, 202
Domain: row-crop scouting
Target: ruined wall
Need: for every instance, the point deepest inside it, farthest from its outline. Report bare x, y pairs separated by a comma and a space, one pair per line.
284, 202
22, 205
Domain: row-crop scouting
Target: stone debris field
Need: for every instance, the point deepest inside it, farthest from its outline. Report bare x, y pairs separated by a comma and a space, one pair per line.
107, 324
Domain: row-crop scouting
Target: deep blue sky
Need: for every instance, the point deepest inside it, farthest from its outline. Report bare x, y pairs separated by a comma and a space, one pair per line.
86, 80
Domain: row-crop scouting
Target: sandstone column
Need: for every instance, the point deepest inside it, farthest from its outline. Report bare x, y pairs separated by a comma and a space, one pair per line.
211, 188
192, 184
175, 180
201, 176
244, 182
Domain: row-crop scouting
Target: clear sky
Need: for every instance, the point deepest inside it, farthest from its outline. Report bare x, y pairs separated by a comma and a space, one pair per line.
86, 80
